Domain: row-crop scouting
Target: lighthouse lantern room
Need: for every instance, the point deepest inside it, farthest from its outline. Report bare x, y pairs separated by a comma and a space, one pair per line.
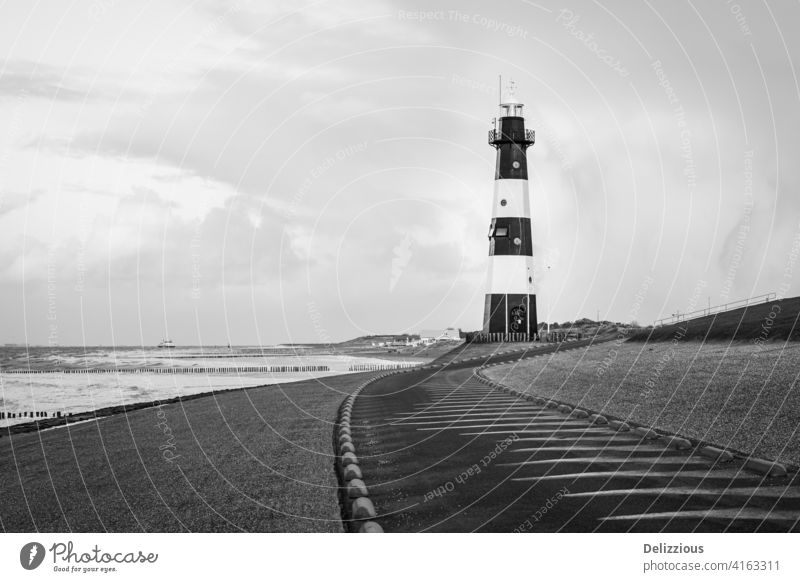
510, 303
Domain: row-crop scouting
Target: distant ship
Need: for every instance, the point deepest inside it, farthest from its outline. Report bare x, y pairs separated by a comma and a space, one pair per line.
167, 343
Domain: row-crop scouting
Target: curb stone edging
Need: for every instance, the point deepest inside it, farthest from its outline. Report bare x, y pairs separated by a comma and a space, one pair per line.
765, 467
715, 453
646, 433
370, 527
356, 506
358, 511
619, 425
675, 442
597, 419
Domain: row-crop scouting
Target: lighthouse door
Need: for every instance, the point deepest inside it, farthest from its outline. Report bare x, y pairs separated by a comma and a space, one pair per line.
517, 314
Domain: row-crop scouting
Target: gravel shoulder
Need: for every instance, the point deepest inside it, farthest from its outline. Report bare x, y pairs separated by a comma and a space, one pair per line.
740, 395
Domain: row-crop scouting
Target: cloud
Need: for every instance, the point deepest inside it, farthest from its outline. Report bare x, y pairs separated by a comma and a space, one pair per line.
23, 79
278, 154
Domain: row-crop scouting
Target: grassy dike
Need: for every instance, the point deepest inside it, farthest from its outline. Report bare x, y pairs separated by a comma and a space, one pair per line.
258, 459
739, 395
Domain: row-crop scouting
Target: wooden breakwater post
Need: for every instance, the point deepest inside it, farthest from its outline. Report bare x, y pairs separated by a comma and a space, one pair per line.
193, 370
6, 415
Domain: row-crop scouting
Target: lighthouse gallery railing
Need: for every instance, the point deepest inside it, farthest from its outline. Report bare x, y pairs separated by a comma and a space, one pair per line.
527, 136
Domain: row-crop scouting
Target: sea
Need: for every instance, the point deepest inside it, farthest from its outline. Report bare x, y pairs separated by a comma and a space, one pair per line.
38, 382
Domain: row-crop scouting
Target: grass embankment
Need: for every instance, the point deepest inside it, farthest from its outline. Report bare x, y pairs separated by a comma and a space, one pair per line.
775, 320
743, 396
258, 459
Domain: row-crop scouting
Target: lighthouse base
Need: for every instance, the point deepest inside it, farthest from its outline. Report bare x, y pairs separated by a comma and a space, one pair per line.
512, 316
499, 338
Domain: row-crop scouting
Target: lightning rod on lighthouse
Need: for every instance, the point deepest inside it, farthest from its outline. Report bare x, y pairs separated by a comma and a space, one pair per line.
510, 303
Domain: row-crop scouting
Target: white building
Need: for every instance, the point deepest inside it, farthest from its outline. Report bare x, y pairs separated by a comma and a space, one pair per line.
429, 336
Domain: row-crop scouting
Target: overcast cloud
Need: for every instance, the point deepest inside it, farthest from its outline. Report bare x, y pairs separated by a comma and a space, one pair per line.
312, 171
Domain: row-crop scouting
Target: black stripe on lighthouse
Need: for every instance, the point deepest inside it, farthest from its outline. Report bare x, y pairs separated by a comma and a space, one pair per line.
510, 304
510, 236
511, 143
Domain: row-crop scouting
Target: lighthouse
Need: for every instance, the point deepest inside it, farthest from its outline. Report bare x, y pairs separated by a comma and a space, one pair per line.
510, 304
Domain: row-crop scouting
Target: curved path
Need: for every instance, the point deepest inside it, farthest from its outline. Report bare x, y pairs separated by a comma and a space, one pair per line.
442, 451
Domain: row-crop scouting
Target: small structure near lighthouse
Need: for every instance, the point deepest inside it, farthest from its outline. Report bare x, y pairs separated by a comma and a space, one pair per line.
510, 304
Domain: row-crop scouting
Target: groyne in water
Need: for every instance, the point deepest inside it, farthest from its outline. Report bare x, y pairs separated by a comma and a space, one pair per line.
17, 409
187, 370
216, 370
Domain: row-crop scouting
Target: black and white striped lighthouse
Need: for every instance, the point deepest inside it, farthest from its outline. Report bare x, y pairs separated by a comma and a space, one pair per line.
510, 308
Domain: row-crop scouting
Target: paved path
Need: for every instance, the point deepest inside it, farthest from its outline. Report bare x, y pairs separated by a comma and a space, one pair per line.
441, 451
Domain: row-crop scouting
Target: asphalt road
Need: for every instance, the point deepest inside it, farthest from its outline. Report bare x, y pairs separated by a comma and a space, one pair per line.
441, 451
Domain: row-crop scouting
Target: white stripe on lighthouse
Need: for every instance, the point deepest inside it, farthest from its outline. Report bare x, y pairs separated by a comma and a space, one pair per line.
509, 274
515, 195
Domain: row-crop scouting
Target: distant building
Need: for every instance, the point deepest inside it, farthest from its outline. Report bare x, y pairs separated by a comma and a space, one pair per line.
429, 336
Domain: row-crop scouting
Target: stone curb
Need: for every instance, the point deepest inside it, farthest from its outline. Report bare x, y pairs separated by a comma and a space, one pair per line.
646, 433
354, 499
357, 508
362, 509
675, 442
370, 527
358, 511
715, 453
619, 425
765, 467
762, 466
598, 419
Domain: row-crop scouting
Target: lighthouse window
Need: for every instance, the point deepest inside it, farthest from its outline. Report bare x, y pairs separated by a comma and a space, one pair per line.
516, 165
501, 231
503, 202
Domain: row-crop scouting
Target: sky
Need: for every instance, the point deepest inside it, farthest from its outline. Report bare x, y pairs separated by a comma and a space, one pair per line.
269, 172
